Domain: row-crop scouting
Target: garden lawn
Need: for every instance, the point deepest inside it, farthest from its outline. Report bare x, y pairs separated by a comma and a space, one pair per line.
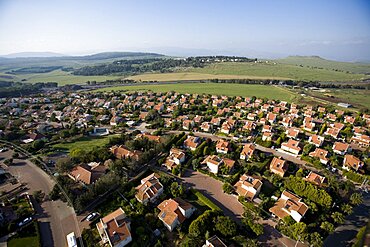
28, 236
86, 143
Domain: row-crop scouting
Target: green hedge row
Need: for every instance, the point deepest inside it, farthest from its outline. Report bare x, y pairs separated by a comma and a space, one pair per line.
355, 177
205, 200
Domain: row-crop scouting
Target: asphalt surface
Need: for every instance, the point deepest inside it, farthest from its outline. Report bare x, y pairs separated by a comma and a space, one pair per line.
344, 234
212, 189
55, 217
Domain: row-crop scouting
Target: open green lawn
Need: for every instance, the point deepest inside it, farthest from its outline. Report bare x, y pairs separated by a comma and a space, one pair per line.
86, 143
29, 236
62, 77
261, 91
275, 70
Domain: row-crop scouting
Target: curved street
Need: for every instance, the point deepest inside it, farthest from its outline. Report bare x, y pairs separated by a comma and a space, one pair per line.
55, 217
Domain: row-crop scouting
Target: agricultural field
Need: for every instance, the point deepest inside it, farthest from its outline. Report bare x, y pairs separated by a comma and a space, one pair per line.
271, 70
189, 76
314, 61
276, 70
262, 91
358, 98
85, 143
62, 78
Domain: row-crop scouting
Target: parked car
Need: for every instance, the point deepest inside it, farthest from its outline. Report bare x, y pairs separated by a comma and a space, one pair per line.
25, 221
91, 216
3, 150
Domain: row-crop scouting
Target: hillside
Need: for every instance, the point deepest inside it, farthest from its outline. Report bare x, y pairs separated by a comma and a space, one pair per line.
7, 64
318, 62
276, 70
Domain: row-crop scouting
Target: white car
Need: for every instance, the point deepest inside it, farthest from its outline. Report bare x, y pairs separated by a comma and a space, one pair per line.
3, 150
25, 221
91, 216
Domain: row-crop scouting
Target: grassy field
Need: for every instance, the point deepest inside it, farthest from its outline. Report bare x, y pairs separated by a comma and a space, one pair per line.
188, 76
86, 143
262, 91
62, 78
358, 98
277, 70
315, 61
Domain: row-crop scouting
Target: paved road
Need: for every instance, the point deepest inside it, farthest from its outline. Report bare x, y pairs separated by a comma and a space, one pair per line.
231, 207
55, 217
212, 189
345, 233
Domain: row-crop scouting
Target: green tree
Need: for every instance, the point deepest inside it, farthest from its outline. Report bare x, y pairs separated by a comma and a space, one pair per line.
225, 226
78, 154
8, 162
227, 188
356, 199
64, 165
315, 239
177, 190
299, 231
338, 217
346, 208
327, 226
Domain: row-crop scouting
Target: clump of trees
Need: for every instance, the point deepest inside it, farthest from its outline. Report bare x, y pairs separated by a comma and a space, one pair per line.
309, 191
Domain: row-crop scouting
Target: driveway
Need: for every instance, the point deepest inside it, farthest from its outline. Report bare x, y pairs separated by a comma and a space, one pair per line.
55, 217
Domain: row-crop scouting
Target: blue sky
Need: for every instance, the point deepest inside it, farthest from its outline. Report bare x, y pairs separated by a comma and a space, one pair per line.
337, 29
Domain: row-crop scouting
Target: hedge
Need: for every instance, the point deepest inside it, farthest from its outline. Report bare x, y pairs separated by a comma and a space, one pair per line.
205, 200
355, 177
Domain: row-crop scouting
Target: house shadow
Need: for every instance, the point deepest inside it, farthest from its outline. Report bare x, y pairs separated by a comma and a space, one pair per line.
19, 163
46, 234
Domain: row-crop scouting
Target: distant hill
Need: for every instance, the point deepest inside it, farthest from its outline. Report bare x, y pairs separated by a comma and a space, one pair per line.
319, 62
109, 55
11, 63
33, 54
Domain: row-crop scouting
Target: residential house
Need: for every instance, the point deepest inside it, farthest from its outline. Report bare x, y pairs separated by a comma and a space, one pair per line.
289, 205
120, 152
176, 157
291, 146
192, 142
213, 163
292, 133
88, 173
278, 166
149, 189
315, 178
316, 140
114, 229
248, 186
248, 151
361, 140
352, 162
341, 148
222, 146
267, 136
206, 127
149, 136
321, 154
174, 212
214, 242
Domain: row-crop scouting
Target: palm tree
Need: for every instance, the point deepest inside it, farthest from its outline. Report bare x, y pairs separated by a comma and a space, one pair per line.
338, 217
356, 199
347, 209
